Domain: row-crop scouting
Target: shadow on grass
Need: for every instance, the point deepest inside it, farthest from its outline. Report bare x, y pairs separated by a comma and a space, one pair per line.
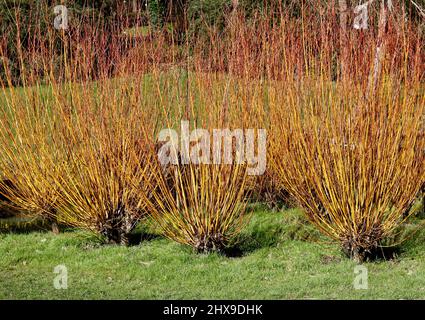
410, 237
144, 231
386, 253
380, 254
24, 225
20, 224
268, 229
139, 236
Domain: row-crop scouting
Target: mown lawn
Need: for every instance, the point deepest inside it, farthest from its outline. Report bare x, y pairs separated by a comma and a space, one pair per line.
279, 256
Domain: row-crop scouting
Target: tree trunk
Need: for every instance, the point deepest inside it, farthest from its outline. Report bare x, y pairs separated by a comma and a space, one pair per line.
419, 8
343, 22
119, 237
380, 47
53, 224
343, 18
117, 228
235, 4
55, 227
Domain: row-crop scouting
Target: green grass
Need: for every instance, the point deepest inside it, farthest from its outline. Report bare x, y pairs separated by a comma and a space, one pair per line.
279, 256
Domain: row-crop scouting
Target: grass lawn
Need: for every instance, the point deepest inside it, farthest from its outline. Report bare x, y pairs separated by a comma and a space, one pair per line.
279, 256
